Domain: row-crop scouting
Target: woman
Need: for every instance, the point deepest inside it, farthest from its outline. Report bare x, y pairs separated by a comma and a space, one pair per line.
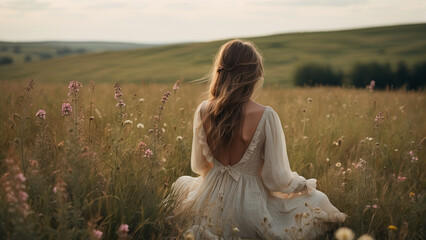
246, 187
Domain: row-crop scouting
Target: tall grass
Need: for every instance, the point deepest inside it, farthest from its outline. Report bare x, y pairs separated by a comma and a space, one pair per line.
102, 170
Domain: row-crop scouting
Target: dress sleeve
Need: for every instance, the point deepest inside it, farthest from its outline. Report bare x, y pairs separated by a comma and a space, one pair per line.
276, 173
199, 163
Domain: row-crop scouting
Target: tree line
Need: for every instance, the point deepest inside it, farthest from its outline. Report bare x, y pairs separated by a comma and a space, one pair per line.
361, 74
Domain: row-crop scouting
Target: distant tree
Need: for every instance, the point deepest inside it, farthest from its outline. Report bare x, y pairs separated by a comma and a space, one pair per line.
44, 55
80, 50
6, 60
28, 58
4, 49
418, 79
402, 75
362, 74
63, 51
17, 49
313, 74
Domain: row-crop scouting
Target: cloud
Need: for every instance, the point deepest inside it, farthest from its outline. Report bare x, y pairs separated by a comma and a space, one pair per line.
106, 5
26, 5
329, 3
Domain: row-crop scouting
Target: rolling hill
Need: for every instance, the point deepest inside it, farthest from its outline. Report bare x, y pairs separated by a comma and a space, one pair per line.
34, 51
189, 61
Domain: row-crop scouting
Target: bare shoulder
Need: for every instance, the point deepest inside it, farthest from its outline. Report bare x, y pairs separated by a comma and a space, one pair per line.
254, 109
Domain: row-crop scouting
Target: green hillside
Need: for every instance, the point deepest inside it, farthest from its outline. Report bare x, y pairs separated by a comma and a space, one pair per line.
282, 53
33, 51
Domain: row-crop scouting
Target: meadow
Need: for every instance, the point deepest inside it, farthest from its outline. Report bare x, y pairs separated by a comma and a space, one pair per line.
283, 54
99, 158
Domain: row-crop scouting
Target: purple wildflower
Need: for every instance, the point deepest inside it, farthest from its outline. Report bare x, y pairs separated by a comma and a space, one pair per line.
66, 109
41, 114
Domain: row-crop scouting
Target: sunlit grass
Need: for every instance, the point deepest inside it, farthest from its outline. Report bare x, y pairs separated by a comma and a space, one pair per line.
89, 172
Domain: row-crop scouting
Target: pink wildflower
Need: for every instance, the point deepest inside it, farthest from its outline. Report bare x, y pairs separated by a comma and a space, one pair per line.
123, 228
118, 92
41, 114
74, 87
149, 153
120, 104
375, 206
66, 109
401, 179
141, 145
166, 97
122, 231
97, 234
372, 85
379, 118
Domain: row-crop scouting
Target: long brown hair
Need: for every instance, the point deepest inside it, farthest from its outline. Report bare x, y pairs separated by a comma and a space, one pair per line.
236, 72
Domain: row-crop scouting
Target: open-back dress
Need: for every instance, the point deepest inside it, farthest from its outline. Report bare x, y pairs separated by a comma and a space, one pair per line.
259, 197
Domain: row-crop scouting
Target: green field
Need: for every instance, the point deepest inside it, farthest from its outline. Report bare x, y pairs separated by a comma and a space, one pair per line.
22, 52
86, 171
282, 53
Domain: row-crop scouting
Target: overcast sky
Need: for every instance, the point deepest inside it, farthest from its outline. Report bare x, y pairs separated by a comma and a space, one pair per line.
167, 21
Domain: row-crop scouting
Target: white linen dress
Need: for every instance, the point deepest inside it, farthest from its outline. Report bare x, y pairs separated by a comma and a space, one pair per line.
259, 197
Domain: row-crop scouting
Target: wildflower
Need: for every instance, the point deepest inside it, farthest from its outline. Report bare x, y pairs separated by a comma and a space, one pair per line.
392, 227
128, 122
41, 114
141, 145
396, 150
411, 153
189, 236
401, 179
15, 191
235, 229
74, 87
369, 138
368, 206
97, 234
54, 190
166, 97
309, 99
141, 100
348, 170
305, 137
344, 233
118, 94
412, 195
365, 237
66, 109
140, 125
371, 86
149, 153
30, 85
120, 104
338, 164
327, 159
379, 117
122, 231
123, 228
375, 206
176, 85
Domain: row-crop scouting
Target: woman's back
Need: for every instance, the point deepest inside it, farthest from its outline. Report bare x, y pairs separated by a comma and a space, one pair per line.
252, 114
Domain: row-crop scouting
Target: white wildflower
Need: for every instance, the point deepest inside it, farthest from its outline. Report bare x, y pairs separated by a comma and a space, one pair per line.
344, 233
140, 125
